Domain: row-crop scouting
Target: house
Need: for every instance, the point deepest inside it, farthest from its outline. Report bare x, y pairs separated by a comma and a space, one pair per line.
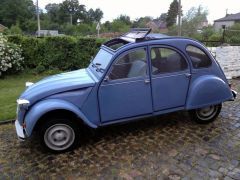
227, 21
157, 25
48, 33
2, 28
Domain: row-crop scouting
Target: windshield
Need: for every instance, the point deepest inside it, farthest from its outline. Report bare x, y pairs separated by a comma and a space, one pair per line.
101, 61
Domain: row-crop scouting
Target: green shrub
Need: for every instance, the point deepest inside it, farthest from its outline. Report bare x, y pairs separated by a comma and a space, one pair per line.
62, 52
11, 59
39, 69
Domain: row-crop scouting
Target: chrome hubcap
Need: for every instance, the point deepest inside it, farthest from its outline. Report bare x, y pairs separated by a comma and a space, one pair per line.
59, 137
207, 113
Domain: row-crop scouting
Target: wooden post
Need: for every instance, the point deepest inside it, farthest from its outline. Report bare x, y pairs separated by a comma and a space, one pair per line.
179, 18
38, 20
98, 29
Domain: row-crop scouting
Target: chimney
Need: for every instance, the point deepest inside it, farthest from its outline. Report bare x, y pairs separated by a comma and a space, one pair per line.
227, 13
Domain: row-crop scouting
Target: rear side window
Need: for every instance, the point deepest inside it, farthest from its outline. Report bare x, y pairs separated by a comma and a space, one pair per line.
199, 58
165, 60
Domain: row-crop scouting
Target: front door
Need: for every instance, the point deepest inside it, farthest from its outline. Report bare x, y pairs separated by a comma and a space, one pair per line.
170, 78
126, 90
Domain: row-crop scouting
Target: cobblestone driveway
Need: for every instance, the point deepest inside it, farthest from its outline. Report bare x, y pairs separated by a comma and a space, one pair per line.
166, 147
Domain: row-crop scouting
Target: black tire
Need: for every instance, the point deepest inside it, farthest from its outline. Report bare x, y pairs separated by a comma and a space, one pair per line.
59, 135
206, 115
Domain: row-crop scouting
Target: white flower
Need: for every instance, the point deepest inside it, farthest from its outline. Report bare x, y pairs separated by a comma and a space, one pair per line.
10, 56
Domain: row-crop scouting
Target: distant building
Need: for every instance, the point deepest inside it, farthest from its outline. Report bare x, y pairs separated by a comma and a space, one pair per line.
227, 21
157, 25
203, 23
2, 28
48, 33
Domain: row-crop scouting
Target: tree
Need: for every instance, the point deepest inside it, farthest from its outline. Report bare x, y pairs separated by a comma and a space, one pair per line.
121, 24
125, 19
13, 12
163, 17
73, 10
192, 21
192, 24
107, 26
53, 12
172, 13
141, 22
95, 16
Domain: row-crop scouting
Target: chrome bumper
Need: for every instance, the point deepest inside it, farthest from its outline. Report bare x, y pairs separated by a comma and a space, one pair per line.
19, 130
234, 93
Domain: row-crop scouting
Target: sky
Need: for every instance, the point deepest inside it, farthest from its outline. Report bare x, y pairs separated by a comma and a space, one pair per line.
136, 8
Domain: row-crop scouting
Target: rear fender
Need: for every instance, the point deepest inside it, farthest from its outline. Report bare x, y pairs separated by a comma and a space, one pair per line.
207, 90
45, 106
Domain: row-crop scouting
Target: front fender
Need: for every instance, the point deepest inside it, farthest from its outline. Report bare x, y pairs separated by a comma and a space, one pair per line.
207, 90
42, 107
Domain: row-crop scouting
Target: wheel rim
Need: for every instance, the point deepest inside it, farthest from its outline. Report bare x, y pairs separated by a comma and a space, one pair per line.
59, 137
207, 113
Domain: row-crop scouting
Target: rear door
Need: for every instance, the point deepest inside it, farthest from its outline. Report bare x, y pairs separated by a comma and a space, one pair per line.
170, 78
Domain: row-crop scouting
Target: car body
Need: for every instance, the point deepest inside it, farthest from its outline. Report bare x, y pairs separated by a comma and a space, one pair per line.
134, 76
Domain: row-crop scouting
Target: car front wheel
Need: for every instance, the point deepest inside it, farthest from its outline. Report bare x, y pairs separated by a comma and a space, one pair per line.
206, 114
59, 135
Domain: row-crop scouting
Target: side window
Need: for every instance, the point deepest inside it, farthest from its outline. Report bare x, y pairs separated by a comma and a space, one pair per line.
198, 57
132, 64
165, 60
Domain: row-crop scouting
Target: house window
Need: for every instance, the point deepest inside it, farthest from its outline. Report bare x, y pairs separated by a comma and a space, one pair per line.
129, 65
199, 58
165, 60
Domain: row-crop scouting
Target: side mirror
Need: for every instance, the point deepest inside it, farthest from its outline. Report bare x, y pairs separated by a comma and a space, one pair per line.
106, 79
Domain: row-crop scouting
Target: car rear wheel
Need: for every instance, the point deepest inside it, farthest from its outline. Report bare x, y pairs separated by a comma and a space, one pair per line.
59, 135
206, 114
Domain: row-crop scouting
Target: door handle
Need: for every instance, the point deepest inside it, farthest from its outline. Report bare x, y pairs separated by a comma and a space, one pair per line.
147, 81
188, 75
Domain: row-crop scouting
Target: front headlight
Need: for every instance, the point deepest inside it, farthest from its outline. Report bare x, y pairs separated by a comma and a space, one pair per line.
23, 103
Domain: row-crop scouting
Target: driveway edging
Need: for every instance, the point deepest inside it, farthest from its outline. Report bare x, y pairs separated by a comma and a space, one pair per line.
6, 121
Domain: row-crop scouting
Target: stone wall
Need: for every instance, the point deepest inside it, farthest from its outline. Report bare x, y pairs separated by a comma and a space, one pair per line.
229, 59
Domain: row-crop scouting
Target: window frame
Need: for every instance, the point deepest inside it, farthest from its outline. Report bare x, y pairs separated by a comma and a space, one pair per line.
173, 49
120, 55
204, 51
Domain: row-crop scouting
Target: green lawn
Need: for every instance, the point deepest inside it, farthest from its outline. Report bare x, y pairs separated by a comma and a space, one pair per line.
10, 89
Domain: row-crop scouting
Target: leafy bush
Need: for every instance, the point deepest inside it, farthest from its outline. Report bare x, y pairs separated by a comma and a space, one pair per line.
63, 52
11, 59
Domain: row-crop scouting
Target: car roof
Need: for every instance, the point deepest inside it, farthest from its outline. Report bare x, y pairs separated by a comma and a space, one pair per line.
141, 36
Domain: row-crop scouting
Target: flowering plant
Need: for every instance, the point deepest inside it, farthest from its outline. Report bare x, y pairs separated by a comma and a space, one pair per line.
11, 59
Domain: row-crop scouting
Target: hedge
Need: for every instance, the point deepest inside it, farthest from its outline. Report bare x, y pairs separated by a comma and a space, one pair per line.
63, 52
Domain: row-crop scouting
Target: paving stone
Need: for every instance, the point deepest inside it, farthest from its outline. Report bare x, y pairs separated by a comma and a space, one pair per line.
173, 153
165, 147
214, 174
235, 163
223, 170
235, 174
215, 157
174, 177
228, 178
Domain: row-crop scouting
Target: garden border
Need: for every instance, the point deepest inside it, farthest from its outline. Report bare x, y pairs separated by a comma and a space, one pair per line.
7, 121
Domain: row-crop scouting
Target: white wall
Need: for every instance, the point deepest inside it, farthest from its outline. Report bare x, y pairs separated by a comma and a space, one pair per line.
218, 25
229, 59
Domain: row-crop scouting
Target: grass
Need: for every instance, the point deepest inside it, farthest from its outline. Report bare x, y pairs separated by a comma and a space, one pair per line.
10, 89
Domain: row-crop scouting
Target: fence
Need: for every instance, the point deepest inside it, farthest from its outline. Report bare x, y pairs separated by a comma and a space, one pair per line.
229, 36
